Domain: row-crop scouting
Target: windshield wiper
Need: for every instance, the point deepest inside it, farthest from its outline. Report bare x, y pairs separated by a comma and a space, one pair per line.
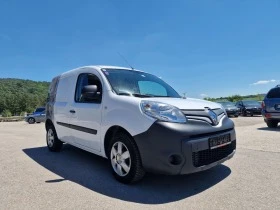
162, 96
149, 95
142, 96
124, 94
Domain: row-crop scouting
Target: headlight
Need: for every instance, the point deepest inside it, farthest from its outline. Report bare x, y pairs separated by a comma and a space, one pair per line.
163, 112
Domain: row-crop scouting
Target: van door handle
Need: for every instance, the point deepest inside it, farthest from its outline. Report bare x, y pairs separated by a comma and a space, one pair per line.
72, 111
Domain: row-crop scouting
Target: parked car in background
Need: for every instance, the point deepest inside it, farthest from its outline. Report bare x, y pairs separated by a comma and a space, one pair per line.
230, 108
39, 110
249, 107
271, 107
36, 117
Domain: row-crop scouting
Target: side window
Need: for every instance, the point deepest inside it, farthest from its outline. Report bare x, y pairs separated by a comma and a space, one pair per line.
153, 88
84, 80
40, 110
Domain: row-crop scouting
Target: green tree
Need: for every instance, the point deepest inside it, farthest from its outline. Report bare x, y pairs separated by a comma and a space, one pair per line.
235, 98
19, 95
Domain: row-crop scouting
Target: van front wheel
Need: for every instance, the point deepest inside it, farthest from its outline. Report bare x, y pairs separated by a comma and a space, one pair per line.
125, 159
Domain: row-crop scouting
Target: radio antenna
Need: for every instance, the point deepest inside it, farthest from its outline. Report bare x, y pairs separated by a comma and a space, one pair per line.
125, 61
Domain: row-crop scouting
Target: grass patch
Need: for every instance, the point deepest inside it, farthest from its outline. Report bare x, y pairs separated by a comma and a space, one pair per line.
11, 119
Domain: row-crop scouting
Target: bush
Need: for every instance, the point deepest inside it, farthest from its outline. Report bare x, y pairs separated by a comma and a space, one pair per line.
6, 113
23, 114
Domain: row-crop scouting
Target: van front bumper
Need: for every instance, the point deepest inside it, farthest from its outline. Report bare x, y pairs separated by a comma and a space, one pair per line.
172, 148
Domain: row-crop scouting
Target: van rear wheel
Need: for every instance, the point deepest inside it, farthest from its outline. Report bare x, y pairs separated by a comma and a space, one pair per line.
125, 159
53, 143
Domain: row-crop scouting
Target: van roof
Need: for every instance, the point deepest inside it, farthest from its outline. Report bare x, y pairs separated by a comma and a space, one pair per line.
113, 67
99, 67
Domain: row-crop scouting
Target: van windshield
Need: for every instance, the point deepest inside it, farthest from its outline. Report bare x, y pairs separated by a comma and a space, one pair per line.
138, 84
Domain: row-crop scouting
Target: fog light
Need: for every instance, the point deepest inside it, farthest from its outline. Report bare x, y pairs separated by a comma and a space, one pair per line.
175, 159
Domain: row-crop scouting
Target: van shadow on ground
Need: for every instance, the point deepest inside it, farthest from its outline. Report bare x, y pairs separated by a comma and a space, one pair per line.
93, 172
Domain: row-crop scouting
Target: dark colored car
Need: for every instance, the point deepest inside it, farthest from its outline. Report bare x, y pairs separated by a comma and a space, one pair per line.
271, 107
230, 108
249, 107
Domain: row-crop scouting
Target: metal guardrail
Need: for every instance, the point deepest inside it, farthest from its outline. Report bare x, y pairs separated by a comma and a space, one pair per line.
11, 119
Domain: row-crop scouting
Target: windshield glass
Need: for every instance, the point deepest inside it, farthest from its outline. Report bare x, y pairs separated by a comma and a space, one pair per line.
138, 84
226, 104
251, 103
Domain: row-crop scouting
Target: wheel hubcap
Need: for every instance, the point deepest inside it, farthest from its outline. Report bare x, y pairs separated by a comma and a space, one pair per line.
50, 137
120, 159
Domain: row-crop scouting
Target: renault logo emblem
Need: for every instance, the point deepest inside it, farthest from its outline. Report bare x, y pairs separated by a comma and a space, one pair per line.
212, 115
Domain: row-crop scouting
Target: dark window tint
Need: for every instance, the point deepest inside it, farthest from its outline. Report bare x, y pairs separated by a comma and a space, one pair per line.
274, 93
84, 80
40, 110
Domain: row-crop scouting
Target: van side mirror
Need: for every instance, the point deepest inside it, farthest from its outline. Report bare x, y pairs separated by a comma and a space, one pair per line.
90, 94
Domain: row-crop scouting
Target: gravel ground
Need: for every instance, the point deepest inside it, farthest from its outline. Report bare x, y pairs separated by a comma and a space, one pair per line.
31, 177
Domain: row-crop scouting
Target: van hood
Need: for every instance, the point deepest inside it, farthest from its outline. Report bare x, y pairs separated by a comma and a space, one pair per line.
189, 103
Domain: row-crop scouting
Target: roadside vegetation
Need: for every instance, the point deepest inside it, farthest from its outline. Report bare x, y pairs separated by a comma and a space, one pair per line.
236, 98
18, 96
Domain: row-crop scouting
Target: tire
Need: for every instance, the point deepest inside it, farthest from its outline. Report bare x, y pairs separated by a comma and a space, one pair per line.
272, 124
125, 160
244, 113
236, 115
53, 143
252, 115
31, 120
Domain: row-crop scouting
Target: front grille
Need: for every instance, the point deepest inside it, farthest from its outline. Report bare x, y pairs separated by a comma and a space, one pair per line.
206, 157
202, 115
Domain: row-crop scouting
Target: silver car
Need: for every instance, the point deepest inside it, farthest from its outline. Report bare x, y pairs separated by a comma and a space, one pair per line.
36, 117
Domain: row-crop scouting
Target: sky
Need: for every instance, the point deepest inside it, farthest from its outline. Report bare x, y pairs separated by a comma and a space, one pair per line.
202, 48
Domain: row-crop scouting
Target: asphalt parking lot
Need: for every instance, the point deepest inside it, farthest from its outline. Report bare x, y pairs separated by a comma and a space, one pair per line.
31, 177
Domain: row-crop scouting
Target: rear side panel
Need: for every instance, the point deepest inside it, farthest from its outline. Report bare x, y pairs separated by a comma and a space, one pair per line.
51, 98
61, 107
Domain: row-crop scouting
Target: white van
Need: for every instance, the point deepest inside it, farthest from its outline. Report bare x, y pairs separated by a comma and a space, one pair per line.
137, 121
